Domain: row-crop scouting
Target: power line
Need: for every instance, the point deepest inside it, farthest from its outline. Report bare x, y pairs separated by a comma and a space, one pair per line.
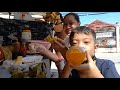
86, 13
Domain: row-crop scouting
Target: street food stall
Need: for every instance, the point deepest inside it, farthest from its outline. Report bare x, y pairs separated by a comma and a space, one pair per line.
15, 32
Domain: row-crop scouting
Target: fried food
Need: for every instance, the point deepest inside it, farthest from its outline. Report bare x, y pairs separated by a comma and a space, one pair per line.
18, 60
7, 52
50, 39
17, 74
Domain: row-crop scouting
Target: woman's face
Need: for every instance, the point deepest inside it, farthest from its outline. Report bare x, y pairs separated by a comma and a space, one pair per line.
70, 23
83, 40
58, 28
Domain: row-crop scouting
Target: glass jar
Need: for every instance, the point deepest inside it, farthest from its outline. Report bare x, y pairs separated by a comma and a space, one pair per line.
26, 35
75, 55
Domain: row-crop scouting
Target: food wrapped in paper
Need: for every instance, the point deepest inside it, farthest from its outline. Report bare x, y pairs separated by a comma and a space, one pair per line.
37, 43
32, 59
29, 66
45, 43
23, 64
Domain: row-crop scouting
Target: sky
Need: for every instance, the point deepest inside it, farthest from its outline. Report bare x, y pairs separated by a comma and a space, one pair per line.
89, 17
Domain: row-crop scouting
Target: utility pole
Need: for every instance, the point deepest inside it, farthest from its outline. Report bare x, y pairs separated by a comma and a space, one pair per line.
117, 38
9, 14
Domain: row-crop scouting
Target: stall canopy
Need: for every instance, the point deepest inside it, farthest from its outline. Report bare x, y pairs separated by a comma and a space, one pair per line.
11, 14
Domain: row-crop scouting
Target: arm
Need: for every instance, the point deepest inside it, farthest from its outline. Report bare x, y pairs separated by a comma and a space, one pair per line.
50, 55
43, 50
60, 65
66, 71
59, 46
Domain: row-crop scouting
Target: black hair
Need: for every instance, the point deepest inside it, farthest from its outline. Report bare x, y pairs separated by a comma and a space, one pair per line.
75, 15
61, 17
83, 29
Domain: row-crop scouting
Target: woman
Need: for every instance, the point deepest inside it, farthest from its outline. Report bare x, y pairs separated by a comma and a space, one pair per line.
70, 21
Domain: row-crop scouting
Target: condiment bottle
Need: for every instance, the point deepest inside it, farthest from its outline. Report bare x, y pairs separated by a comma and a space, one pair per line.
75, 55
26, 33
23, 49
16, 48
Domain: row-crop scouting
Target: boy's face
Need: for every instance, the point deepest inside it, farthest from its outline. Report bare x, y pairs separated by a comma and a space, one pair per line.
70, 23
83, 40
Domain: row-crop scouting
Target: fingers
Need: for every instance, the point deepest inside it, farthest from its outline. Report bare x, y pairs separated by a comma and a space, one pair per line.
61, 41
89, 58
84, 66
55, 47
59, 44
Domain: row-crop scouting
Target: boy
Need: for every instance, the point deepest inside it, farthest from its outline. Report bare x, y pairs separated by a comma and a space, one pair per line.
94, 68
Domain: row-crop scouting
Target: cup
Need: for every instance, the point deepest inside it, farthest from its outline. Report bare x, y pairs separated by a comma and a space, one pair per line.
75, 55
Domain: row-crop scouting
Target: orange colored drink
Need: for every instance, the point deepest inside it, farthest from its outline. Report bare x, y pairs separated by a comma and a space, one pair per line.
75, 55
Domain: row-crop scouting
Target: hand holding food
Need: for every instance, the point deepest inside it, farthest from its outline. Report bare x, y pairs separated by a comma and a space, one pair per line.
50, 39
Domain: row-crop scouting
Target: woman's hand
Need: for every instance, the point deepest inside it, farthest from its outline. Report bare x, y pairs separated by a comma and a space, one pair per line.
58, 44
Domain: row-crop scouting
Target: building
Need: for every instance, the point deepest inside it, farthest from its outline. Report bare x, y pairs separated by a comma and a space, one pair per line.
107, 36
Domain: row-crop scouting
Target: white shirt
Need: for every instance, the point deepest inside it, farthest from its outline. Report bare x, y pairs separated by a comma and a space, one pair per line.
67, 43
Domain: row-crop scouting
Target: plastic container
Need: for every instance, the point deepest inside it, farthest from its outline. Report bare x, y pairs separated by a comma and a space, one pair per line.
75, 55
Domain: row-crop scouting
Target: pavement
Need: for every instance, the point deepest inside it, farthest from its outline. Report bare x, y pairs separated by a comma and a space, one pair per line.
115, 57
112, 56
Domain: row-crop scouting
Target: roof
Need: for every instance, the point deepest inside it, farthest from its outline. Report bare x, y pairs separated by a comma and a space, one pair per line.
98, 24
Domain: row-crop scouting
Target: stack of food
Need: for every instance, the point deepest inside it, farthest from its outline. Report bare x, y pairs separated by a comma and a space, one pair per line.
27, 67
